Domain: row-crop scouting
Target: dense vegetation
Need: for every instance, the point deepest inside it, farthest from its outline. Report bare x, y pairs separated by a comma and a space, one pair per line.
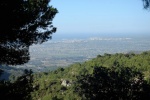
18, 89
108, 76
17, 35
126, 67
115, 83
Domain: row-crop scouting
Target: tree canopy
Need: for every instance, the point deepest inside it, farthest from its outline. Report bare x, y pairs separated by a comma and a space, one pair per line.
23, 23
146, 4
20, 89
116, 83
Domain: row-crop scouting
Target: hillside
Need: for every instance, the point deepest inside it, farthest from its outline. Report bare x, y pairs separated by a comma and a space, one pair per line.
61, 84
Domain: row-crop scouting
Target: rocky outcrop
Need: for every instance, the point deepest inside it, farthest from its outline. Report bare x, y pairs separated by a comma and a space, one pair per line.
65, 83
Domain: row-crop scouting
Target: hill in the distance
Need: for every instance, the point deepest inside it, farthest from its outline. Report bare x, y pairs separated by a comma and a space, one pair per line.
61, 83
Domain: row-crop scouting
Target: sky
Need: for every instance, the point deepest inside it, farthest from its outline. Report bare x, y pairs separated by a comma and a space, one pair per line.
101, 16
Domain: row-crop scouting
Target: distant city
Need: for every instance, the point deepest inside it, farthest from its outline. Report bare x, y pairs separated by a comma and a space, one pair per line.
63, 52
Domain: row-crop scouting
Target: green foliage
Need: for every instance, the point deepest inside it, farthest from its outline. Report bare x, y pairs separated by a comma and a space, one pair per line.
119, 71
19, 89
146, 4
23, 23
122, 75
117, 83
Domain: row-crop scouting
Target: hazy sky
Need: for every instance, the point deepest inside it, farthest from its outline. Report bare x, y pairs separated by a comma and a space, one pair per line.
101, 16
